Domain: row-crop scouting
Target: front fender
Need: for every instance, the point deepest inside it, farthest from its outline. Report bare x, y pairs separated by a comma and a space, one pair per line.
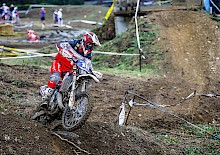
90, 75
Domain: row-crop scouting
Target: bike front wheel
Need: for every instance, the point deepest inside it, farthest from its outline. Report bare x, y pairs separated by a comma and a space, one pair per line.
76, 117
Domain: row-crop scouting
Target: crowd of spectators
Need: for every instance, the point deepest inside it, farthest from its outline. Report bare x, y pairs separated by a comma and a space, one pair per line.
9, 14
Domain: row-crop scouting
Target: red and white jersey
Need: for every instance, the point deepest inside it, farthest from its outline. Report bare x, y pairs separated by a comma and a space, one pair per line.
66, 54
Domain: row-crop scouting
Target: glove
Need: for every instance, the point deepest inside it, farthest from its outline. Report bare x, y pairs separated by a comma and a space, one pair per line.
98, 74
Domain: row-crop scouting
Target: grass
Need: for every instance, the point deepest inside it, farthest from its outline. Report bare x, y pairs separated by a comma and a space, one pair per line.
38, 61
3, 107
86, 12
168, 139
209, 149
145, 72
191, 140
218, 24
127, 43
210, 145
201, 134
122, 69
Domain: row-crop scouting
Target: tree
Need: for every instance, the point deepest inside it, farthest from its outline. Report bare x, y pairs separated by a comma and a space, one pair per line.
55, 2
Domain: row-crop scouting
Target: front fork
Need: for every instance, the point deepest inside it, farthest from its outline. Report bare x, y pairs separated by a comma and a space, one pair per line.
72, 93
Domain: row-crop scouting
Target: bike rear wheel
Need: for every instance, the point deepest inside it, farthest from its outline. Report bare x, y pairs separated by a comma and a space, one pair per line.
75, 118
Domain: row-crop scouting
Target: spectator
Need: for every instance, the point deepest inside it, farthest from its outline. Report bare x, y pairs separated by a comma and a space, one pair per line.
5, 7
9, 15
15, 17
11, 10
5, 12
55, 16
1, 14
42, 17
60, 17
32, 36
12, 7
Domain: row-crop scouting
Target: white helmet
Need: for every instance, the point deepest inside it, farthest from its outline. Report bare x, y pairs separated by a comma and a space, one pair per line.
90, 37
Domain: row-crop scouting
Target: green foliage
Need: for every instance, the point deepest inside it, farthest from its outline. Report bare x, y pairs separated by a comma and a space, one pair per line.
55, 2
20, 83
209, 149
218, 24
202, 134
38, 61
127, 43
189, 139
193, 150
145, 72
168, 139
2, 107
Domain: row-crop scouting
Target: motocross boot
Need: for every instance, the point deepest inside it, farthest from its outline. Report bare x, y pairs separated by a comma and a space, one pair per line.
46, 93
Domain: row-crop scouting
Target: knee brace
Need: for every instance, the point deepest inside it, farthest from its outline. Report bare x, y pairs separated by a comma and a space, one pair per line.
54, 79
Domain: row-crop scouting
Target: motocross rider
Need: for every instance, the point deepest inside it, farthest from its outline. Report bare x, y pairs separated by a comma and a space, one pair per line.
68, 53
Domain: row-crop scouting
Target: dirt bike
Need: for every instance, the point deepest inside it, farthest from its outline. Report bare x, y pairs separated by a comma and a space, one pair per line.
70, 101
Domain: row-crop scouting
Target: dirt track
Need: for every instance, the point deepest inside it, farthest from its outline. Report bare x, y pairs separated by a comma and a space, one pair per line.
191, 42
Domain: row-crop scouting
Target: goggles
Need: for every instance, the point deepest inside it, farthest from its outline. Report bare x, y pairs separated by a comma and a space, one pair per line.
90, 45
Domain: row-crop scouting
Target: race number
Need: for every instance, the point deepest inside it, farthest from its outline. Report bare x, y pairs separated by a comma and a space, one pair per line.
64, 45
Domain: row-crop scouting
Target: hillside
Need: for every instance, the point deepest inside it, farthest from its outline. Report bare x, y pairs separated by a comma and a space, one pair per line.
189, 41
